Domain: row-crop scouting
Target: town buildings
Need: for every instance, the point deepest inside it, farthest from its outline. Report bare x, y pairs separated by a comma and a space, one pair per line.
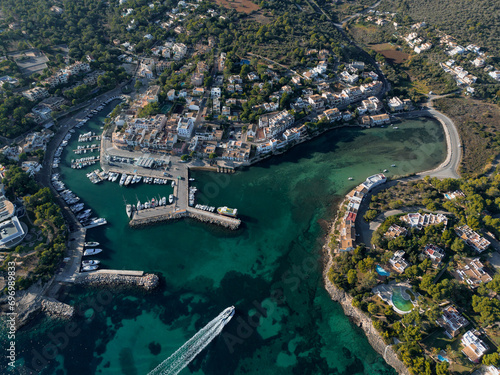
472, 238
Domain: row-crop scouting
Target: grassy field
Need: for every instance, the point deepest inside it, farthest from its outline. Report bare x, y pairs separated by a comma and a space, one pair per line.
243, 6
479, 126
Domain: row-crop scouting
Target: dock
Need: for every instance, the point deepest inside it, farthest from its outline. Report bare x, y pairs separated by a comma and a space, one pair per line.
112, 272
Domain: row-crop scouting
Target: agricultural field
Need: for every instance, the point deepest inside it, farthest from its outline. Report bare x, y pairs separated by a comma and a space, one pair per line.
390, 52
243, 6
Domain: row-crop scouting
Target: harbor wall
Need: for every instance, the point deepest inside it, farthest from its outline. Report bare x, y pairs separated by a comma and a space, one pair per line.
205, 217
113, 279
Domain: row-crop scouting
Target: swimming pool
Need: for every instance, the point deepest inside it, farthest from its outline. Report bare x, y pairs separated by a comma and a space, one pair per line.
442, 359
381, 271
399, 302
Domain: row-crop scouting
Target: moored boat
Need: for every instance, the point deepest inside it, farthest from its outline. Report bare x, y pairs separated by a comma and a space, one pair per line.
89, 268
226, 211
91, 252
171, 198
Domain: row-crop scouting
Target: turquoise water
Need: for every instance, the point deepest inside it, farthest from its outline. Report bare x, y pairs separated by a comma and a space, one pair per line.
398, 301
442, 359
381, 271
270, 269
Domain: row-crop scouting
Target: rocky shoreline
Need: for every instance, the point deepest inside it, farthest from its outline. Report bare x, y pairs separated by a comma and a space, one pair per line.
57, 309
147, 281
359, 317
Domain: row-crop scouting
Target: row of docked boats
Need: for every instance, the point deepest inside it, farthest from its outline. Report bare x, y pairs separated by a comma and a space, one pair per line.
192, 192
205, 208
87, 148
90, 249
84, 162
87, 137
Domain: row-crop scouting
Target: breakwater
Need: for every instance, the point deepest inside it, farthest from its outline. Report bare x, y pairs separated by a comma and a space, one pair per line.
115, 279
203, 216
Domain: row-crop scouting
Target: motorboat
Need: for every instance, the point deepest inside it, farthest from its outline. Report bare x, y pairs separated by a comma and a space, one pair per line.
91, 252
90, 262
171, 198
90, 268
91, 244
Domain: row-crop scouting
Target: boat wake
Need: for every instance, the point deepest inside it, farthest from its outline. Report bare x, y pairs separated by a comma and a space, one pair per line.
187, 352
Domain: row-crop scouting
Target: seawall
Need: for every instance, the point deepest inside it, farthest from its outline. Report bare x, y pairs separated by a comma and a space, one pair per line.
362, 320
148, 281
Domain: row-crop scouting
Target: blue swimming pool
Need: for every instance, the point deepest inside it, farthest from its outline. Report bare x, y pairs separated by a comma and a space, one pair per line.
442, 359
381, 271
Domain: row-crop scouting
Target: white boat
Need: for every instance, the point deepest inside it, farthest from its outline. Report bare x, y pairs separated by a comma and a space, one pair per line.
171, 198
89, 268
173, 183
386, 170
350, 178
191, 179
91, 244
128, 180
128, 209
122, 179
90, 262
163, 201
227, 314
393, 165
91, 252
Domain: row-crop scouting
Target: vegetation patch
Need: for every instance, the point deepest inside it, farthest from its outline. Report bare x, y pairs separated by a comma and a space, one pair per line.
478, 124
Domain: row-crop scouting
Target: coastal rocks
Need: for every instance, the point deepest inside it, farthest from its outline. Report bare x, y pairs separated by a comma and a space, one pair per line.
215, 219
147, 281
57, 309
363, 321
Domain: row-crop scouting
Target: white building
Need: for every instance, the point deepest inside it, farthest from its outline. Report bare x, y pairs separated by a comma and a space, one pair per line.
185, 127
474, 347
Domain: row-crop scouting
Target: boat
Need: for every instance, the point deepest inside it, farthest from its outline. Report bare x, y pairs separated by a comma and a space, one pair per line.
396, 127
122, 179
226, 211
163, 201
173, 183
386, 170
91, 244
128, 180
90, 262
89, 268
191, 179
227, 314
393, 165
128, 209
91, 252
171, 198
351, 178
95, 222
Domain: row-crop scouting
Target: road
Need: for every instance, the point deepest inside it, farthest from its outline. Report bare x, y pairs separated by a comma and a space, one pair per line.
349, 18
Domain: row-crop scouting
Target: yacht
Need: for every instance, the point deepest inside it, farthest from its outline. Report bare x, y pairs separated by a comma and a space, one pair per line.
226, 211
91, 244
128, 209
128, 180
191, 179
171, 198
122, 179
89, 268
163, 201
91, 252
173, 183
90, 262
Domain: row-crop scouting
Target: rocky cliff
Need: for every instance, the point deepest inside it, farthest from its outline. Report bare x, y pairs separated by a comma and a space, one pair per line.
363, 321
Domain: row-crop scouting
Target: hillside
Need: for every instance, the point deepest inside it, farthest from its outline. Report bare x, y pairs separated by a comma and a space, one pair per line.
475, 21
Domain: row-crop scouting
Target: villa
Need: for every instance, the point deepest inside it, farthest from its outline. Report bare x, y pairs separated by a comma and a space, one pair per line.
472, 239
395, 231
473, 273
474, 347
435, 253
419, 221
452, 321
398, 262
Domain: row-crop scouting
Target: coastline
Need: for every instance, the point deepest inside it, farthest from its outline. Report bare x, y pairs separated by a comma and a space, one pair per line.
361, 319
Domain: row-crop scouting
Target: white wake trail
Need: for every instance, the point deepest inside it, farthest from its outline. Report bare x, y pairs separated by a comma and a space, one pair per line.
187, 352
